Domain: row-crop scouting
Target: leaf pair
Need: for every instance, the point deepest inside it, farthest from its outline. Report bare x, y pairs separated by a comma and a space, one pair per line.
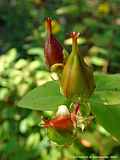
105, 101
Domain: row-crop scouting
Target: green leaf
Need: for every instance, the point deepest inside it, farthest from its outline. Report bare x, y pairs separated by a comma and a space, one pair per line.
35, 51
109, 117
107, 90
44, 97
106, 97
105, 102
67, 10
107, 82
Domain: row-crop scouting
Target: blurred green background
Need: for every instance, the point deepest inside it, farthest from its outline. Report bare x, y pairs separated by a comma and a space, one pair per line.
22, 35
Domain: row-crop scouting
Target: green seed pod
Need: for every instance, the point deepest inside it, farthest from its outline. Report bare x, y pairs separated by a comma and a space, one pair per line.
77, 77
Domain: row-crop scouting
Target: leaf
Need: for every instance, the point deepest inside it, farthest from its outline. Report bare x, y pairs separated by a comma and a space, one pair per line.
109, 117
98, 61
44, 97
106, 97
105, 102
35, 51
67, 10
107, 90
107, 82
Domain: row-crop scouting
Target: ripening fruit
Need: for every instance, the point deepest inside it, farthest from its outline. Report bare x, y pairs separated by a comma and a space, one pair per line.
60, 122
53, 50
77, 77
64, 120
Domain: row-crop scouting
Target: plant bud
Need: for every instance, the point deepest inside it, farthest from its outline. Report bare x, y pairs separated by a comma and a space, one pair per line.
53, 50
77, 77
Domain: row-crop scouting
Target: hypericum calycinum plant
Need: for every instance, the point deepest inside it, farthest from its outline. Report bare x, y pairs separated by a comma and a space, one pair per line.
76, 80
74, 96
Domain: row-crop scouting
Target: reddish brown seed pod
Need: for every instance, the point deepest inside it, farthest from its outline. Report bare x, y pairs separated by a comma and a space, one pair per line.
53, 50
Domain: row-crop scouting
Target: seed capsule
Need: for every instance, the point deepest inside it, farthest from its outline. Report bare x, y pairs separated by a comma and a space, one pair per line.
53, 50
66, 121
77, 78
60, 122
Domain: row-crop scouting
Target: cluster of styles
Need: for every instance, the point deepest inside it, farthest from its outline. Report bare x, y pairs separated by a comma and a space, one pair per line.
75, 76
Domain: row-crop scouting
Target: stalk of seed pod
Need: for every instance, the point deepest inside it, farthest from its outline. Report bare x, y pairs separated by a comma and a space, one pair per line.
53, 50
77, 78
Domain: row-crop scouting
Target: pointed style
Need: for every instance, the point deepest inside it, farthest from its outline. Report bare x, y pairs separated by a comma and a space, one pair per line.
77, 78
53, 50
